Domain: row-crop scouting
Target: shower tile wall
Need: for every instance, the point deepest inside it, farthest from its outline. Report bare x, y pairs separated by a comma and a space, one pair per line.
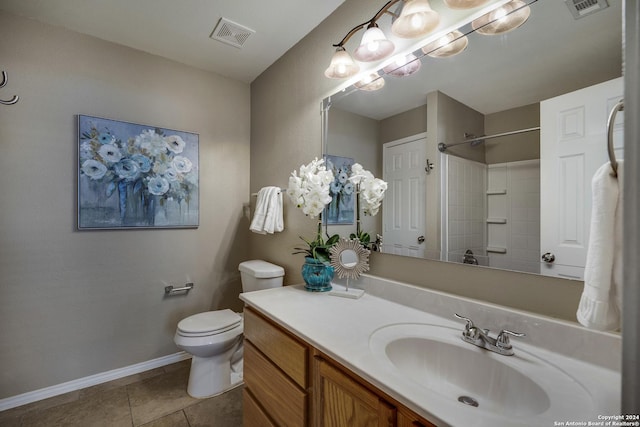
466, 184
519, 206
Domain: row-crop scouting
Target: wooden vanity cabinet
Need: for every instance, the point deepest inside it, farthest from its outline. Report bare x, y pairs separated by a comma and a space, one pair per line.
276, 367
290, 383
340, 400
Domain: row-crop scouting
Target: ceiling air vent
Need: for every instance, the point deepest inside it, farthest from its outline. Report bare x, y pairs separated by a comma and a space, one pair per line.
231, 33
581, 8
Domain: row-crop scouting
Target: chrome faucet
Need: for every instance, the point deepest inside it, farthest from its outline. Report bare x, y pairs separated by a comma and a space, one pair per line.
480, 337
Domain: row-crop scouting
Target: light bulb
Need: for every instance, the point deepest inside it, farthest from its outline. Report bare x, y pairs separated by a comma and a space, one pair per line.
416, 21
373, 46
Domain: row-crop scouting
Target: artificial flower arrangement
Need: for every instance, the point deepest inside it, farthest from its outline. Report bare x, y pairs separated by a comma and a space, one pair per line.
309, 190
370, 192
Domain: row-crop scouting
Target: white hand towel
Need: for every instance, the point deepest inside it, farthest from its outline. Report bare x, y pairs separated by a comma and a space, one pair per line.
268, 214
600, 304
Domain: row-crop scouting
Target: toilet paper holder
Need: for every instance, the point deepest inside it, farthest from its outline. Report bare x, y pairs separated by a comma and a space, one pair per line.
170, 290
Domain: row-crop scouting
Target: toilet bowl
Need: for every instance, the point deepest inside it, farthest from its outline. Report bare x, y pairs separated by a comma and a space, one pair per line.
214, 338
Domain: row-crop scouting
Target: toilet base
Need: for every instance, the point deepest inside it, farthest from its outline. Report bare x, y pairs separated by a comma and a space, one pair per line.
209, 377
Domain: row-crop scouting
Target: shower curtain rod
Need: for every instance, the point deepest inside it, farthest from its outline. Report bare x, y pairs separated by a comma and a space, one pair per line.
442, 147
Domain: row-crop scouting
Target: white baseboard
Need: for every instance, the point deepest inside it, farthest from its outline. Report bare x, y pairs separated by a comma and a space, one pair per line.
80, 383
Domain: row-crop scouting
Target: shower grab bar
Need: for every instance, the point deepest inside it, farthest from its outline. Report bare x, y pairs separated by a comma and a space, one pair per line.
170, 290
610, 124
442, 147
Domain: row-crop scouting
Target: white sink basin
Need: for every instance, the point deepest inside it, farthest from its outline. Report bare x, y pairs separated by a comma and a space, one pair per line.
448, 369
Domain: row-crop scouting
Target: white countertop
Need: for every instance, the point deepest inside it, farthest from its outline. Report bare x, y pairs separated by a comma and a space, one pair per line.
342, 327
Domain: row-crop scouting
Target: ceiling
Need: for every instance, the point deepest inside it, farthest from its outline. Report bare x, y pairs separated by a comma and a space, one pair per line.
180, 29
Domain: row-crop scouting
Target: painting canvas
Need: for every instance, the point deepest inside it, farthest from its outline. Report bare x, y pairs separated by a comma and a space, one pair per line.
341, 208
136, 176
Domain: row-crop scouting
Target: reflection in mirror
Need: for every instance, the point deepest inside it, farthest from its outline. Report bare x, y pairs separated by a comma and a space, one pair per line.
486, 194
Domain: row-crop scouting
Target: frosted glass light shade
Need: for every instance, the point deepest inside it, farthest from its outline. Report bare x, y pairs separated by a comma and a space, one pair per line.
416, 19
504, 19
371, 82
374, 46
448, 45
464, 4
342, 65
403, 66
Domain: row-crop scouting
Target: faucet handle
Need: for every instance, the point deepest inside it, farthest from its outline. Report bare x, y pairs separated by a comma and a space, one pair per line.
466, 319
502, 340
470, 330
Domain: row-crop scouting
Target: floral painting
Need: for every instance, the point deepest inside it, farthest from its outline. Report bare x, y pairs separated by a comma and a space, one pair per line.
342, 191
136, 176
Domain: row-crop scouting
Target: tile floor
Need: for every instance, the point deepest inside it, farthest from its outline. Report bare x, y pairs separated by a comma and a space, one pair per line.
156, 398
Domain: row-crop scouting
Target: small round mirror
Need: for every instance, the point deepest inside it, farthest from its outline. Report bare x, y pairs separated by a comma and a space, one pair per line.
349, 258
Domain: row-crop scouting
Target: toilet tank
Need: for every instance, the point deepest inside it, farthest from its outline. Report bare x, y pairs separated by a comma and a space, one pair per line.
257, 274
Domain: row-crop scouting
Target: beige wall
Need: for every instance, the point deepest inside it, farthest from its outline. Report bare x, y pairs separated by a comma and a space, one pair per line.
454, 120
408, 123
513, 148
77, 303
286, 132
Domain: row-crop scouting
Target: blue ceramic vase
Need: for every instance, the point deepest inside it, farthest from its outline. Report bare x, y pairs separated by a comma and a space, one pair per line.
317, 275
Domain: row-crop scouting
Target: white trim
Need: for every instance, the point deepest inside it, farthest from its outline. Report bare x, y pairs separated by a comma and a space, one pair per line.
406, 139
80, 383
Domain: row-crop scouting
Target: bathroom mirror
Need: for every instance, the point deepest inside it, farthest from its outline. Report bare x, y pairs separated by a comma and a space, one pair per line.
505, 76
349, 258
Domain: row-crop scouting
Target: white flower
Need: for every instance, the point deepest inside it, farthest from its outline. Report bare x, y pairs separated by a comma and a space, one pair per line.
175, 143
158, 185
86, 150
171, 174
151, 142
371, 189
309, 188
182, 164
110, 153
94, 169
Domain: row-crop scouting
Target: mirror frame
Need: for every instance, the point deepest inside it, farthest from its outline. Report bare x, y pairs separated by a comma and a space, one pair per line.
352, 271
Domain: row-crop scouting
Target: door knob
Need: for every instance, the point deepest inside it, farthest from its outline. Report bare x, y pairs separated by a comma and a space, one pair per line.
548, 257
421, 239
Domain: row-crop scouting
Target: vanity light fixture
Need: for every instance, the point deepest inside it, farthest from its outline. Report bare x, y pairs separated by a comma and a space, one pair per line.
342, 65
403, 66
416, 19
464, 4
374, 45
448, 45
504, 19
370, 82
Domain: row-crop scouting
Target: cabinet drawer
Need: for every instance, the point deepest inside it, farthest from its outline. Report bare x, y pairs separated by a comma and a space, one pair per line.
252, 413
280, 397
286, 352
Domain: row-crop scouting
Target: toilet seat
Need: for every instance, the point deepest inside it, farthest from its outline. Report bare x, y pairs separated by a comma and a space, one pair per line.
209, 323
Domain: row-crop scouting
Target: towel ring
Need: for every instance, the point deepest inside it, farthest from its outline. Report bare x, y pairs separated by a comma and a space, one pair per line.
610, 123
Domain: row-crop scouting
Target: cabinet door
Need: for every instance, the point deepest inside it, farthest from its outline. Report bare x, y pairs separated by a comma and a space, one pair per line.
340, 401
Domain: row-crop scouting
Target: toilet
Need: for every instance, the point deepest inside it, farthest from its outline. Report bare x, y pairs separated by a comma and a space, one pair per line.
214, 338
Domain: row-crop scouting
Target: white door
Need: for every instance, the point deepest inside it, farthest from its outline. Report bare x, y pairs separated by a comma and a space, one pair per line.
404, 207
573, 145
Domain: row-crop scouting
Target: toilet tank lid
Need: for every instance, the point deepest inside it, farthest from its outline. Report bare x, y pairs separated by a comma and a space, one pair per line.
261, 269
